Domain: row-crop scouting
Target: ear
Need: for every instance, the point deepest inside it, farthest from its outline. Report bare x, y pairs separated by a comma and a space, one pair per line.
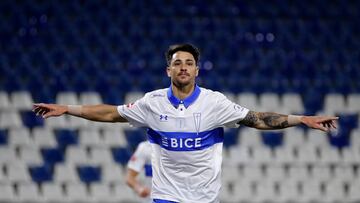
197, 71
168, 71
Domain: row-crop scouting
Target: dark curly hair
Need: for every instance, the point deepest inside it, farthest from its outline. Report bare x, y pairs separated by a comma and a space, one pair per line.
182, 47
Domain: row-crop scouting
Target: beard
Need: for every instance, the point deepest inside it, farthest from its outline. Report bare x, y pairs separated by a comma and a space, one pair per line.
181, 84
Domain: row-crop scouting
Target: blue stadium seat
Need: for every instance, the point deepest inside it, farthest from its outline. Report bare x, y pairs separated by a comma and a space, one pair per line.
66, 137
148, 84
121, 155
30, 119
89, 174
230, 137
43, 173
93, 47
13, 83
3, 137
82, 84
211, 82
349, 121
42, 94
113, 97
272, 139
313, 101
135, 136
341, 139
52, 156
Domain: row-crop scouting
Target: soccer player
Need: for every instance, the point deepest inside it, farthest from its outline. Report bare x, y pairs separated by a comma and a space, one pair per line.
139, 161
185, 128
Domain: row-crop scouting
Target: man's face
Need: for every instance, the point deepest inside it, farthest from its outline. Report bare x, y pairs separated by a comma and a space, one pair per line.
182, 69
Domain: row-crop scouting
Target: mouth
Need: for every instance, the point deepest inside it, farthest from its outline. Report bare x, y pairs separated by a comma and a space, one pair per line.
183, 74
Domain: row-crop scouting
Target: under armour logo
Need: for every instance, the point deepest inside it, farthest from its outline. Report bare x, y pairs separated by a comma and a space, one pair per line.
163, 118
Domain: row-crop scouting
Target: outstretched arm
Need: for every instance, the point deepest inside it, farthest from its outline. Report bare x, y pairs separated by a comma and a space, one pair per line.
268, 121
102, 112
132, 182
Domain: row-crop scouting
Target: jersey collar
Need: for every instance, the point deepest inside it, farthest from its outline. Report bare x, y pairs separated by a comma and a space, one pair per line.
187, 101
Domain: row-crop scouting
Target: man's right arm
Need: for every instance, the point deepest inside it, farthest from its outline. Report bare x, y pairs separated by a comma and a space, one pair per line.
101, 112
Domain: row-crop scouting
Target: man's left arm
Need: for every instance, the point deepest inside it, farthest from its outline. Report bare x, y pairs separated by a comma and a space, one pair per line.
269, 121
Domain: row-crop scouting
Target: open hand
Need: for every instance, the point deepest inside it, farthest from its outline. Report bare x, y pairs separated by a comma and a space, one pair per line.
49, 110
324, 123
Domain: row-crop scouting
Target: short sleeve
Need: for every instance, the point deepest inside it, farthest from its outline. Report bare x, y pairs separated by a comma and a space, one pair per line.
135, 113
138, 159
228, 113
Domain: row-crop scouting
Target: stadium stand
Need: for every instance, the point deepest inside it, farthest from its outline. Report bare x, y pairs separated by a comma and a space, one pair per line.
285, 56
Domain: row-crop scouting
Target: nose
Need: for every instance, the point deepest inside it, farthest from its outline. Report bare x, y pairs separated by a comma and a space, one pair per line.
183, 68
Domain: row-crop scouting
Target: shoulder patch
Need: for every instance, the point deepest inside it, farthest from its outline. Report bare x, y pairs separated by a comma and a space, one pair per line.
130, 105
133, 158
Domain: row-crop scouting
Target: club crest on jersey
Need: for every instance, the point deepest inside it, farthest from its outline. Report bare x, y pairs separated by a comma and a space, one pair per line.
163, 118
197, 120
130, 105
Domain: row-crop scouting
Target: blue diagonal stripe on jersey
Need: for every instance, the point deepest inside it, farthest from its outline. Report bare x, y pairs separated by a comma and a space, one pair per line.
186, 141
162, 201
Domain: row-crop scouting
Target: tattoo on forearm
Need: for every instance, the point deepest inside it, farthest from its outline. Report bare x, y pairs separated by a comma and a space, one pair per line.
250, 119
274, 120
265, 120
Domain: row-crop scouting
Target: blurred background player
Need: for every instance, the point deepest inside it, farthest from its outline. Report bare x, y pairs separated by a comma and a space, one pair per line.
140, 161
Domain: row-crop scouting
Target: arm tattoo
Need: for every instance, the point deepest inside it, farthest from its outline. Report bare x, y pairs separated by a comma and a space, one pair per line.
265, 120
250, 119
275, 121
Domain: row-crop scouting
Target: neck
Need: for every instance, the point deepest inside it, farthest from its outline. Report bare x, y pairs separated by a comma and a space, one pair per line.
181, 92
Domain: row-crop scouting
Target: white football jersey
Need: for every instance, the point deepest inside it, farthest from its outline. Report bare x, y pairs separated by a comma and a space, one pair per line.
186, 138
